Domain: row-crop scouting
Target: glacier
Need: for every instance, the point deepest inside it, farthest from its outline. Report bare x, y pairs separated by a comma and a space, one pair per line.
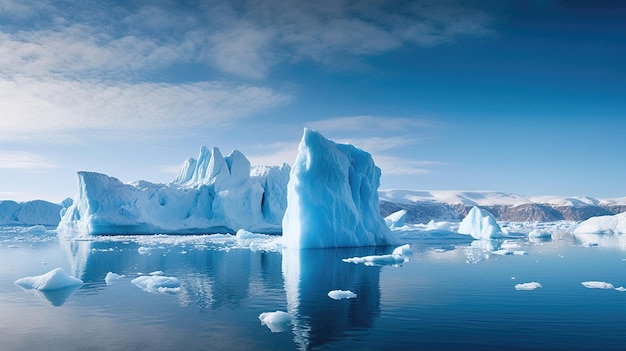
480, 224
210, 194
36, 212
332, 198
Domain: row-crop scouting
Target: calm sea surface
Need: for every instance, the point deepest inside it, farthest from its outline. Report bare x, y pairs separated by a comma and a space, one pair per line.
452, 294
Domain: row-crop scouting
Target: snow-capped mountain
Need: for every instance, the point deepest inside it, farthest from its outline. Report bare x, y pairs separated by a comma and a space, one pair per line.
423, 206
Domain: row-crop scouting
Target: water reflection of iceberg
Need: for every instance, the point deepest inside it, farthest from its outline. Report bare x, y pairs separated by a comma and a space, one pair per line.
602, 240
56, 297
309, 276
208, 278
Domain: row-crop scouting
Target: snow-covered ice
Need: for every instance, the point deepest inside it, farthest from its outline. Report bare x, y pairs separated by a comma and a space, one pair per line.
112, 278
615, 224
597, 285
341, 294
213, 194
480, 224
399, 255
278, 321
53, 280
157, 284
528, 286
36, 212
332, 198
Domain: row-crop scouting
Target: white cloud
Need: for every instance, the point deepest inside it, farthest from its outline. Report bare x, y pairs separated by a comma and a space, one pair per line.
24, 160
244, 38
65, 109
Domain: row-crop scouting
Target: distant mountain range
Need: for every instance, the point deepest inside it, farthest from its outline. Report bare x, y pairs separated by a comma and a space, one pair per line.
423, 206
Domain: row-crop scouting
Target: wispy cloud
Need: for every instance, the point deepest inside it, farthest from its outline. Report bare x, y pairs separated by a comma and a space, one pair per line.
101, 69
392, 165
371, 123
24, 160
58, 109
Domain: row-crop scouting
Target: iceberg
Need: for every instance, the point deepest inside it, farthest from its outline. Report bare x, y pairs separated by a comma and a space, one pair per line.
53, 280
615, 224
36, 212
480, 224
211, 194
278, 321
332, 198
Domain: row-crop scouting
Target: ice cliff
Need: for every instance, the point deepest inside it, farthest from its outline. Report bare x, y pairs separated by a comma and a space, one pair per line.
210, 194
332, 198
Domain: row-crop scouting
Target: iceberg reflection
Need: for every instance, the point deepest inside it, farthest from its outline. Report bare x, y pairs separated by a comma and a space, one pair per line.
309, 276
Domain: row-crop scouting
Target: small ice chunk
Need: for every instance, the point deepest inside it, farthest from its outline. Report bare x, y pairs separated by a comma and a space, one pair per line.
112, 278
53, 280
535, 233
528, 286
157, 284
341, 294
621, 288
399, 255
396, 219
597, 285
143, 250
276, 321
156, 273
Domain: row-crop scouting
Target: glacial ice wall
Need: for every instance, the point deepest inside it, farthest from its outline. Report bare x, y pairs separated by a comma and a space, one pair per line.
211, 194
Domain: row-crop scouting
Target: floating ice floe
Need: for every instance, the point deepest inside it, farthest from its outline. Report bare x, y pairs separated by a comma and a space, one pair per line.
597, 285
505, 252
528, 286
399, 255
112, 278
258, 242
480, 224
143, 250
278, 321
157, 284
53, 280
36, 229
539, 234
341, 294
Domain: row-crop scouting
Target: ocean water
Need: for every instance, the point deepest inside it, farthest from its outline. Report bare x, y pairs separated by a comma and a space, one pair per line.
452, 294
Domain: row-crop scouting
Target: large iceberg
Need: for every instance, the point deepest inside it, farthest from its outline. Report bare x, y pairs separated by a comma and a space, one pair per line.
211, 194
36, 212
480, 224
332, 198
615, 224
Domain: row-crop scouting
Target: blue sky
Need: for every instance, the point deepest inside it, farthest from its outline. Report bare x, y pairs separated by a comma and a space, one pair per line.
525, 97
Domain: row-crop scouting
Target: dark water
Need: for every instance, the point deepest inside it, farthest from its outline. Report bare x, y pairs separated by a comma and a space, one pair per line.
451, 295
